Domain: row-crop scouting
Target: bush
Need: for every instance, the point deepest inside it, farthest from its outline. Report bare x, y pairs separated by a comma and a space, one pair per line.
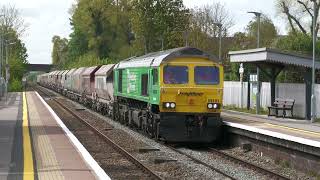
15, 86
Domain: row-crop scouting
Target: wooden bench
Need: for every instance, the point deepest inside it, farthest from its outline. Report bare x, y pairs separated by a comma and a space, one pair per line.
282, 104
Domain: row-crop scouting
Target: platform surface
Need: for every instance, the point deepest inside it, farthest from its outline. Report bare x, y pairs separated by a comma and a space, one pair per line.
10, 137
302, 129
35, 144
55, 155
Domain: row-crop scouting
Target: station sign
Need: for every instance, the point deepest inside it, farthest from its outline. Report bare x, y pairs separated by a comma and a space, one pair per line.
253, 78
241, 69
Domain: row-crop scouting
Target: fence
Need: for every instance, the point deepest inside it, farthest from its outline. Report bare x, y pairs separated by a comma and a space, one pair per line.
232, 95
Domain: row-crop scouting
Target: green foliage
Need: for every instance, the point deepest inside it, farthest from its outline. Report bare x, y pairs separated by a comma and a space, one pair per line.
15, 85
99, 27
156, 21
17, 56
107, 29
268, 32
86, 61
247, 40
59, 50
297, 42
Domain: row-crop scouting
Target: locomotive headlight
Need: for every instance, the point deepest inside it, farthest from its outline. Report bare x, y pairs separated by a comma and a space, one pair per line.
169, 105
173, 105
215, 106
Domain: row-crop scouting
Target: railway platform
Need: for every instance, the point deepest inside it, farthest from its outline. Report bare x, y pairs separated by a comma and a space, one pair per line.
35, 144
297, 142
299, 131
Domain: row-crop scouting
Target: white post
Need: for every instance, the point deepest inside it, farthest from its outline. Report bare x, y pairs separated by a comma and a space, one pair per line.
314, 39
241, 71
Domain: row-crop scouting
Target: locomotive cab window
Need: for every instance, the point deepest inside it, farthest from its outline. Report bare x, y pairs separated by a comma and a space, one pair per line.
206, 75
144, 84
176, 74
155, 76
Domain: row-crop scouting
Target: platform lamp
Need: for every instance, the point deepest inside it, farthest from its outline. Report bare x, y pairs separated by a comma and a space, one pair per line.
8, 43
219, 25
314, 39
1, 59
258, 15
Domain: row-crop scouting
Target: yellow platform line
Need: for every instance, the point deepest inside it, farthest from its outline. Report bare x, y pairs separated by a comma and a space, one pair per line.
278, 126
28, 169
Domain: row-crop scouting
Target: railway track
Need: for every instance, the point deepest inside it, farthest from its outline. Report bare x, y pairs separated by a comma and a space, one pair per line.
201, 162
271, 174
266, 172
115, 146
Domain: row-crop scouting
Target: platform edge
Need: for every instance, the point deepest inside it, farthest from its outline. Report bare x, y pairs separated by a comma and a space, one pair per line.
99, 172
300, 140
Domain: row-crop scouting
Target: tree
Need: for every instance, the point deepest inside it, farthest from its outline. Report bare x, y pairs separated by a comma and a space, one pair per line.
12, 26
59, 50
158, 22
203, 33
11, 20
100, 27
268, 32
299, 14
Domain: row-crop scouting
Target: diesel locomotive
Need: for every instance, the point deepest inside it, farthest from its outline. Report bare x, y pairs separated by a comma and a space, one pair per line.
173, 95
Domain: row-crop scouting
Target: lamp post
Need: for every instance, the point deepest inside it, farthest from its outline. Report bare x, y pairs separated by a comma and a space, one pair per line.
8, 43
1, 59
258, 15
314, 39
219, 25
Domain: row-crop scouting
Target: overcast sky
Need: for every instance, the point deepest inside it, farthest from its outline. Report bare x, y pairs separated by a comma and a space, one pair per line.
46, 18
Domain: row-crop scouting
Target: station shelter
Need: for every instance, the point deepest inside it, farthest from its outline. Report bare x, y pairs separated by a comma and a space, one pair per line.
271, 62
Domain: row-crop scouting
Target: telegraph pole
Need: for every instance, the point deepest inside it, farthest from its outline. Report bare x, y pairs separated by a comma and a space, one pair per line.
258, 15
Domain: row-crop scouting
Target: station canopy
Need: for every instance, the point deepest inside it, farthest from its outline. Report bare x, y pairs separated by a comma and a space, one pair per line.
273, 61
272, 56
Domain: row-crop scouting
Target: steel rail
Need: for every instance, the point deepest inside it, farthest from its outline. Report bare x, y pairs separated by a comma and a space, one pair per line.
201, 162
118, 148
250, 165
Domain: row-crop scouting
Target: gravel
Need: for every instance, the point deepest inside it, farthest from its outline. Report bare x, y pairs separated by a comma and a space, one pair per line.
182, 167
267, 162
116, 166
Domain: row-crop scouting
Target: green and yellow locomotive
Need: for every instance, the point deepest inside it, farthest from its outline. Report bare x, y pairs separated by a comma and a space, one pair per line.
175, 95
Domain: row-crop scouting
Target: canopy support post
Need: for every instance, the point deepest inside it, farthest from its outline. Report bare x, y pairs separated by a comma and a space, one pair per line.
308, 82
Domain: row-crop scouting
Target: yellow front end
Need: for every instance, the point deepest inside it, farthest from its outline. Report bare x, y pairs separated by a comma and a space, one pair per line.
190, 96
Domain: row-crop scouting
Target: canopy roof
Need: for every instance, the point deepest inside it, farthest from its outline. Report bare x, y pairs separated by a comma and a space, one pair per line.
156, 58
266, 55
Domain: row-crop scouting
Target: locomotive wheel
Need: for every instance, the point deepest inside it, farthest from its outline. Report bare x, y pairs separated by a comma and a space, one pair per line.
157, 131
151, 127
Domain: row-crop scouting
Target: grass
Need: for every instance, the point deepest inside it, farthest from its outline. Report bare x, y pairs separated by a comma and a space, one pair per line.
245, 110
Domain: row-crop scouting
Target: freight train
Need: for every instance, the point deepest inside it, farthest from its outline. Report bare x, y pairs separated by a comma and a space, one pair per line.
173, 95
